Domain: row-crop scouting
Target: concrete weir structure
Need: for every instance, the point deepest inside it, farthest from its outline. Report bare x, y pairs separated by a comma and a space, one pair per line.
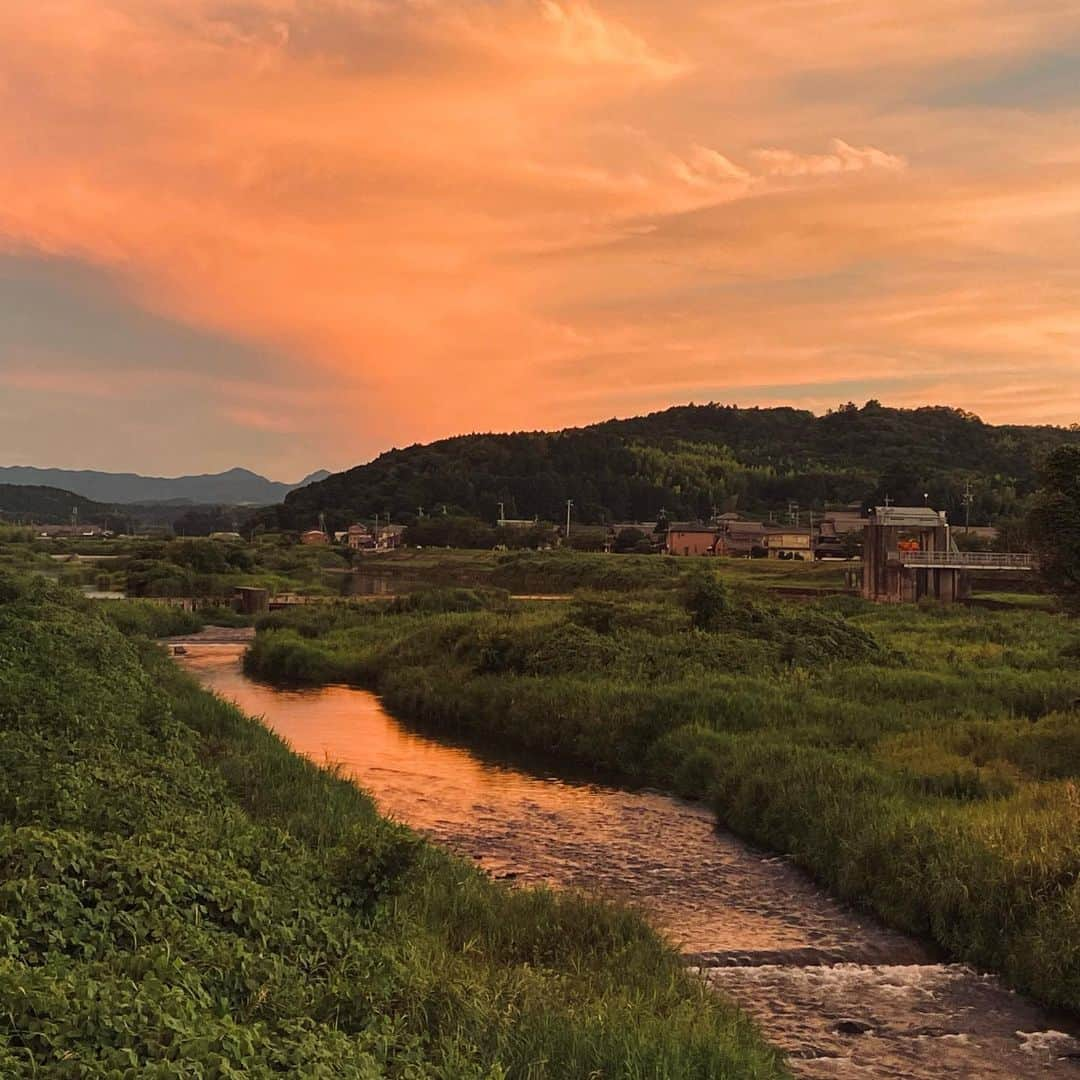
909, 555
892, 534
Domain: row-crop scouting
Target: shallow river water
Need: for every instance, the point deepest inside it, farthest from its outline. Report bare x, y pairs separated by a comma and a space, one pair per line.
843, 996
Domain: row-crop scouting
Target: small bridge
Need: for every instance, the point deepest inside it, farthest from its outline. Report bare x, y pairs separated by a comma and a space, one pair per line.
969, 560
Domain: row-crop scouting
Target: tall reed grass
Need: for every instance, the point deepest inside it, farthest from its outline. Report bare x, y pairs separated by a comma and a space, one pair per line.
922, 763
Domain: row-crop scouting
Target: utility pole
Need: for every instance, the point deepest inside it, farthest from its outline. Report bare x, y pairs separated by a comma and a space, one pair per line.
968, 499
569, 506
502, 513
888, 501
420, 511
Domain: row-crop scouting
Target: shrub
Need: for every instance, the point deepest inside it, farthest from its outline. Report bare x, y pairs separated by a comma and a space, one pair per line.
706, 600
372, 862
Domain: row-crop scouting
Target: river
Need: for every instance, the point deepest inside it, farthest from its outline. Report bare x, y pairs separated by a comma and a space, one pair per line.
842, 995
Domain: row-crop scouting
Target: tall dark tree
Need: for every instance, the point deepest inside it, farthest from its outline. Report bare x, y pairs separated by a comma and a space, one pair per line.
1054, 524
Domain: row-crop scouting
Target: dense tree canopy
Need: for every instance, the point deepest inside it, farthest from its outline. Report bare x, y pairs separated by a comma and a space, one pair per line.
1055, 523
47, 504
691, 460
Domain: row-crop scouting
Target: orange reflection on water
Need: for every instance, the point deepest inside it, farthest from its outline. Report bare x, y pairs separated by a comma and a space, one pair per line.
707, 889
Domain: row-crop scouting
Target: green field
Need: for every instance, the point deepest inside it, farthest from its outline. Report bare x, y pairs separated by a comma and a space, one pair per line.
181, 896
920, 761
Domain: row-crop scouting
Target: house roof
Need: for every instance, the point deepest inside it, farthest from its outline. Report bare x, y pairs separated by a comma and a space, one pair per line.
836, 523
692, 527
749, 528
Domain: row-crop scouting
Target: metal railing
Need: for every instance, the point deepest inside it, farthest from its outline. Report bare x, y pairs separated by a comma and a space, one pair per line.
976, 560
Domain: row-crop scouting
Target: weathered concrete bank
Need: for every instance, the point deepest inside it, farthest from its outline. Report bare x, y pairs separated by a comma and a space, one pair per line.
841, 994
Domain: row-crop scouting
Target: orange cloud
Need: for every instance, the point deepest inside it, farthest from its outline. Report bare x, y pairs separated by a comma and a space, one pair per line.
462, 215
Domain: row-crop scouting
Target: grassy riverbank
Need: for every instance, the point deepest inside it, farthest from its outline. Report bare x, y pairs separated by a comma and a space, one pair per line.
563, 571
920, 762
180, 895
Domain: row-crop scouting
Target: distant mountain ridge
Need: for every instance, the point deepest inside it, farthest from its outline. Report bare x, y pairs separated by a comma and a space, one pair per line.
691, 461
234, 487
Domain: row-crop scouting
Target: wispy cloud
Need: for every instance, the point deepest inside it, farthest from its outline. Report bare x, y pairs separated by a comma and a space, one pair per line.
842, 158
437, 216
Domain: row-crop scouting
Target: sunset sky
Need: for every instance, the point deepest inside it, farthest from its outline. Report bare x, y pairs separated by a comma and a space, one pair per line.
292, 233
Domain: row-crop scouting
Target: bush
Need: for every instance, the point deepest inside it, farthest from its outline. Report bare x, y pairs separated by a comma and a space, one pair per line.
372, 862
134, 617
706, 600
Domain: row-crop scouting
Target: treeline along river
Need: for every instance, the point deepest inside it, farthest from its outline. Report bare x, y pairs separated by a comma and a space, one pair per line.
841, 994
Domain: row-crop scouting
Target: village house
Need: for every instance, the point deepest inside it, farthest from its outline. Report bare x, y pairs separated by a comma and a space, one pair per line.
359, 537
389, 537
840, 534
742, 539
689, 539
314, 537
790, 544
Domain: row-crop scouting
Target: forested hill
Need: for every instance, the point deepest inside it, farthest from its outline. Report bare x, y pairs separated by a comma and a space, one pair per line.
47, 505
691, 459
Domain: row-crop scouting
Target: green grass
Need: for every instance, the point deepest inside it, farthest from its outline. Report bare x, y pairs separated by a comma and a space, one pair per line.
922, 762
1040, 601
180, 895
562, 571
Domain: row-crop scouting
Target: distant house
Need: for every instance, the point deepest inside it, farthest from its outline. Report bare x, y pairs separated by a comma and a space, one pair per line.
314, 537
689, 539
836, 532
743, 539
227, 536
790, 544
389, 537
844, 521
359, 537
